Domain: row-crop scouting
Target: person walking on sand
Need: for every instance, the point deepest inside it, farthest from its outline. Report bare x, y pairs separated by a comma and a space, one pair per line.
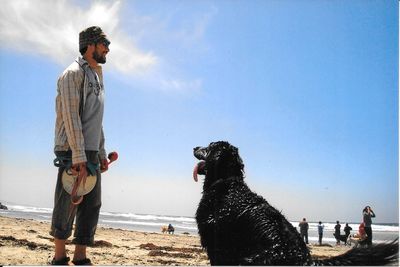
304, 230
337, 232
347, 230
79, 142
367, 215
320, 232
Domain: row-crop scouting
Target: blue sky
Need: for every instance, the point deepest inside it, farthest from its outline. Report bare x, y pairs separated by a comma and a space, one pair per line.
308, 91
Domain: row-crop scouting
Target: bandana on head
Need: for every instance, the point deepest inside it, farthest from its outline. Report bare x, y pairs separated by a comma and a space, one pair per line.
92, 35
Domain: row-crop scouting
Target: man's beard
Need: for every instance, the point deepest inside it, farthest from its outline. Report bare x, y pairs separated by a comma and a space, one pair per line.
99, 59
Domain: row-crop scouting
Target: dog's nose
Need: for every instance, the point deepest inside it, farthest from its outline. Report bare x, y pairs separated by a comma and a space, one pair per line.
200, 152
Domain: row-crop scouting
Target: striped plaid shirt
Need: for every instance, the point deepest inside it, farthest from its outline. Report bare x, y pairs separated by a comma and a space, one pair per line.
68, 130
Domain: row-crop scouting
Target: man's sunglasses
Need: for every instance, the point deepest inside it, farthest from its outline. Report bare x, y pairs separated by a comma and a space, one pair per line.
105, 42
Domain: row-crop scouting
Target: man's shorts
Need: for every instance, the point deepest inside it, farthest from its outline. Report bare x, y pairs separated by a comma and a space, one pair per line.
86, 213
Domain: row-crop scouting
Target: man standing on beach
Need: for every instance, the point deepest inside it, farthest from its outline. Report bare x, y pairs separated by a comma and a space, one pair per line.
304, 230
367, 215
79, 142
320, 232
347, 230
337, 232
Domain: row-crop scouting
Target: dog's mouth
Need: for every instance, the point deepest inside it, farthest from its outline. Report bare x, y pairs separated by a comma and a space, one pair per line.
200, 168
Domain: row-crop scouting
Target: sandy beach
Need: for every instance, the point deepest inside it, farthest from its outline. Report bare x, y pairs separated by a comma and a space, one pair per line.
27, 242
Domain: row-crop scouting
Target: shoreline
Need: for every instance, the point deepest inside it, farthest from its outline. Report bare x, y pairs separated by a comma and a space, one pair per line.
383, 232
27, 242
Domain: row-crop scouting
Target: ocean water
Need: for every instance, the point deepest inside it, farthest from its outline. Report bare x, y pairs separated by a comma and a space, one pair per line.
116, 220
153, 223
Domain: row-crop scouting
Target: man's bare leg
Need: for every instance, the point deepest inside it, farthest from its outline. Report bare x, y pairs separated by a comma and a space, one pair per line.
80, 252
60, 252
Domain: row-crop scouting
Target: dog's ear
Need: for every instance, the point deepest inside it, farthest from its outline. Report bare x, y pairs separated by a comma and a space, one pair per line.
227, 161
236, 160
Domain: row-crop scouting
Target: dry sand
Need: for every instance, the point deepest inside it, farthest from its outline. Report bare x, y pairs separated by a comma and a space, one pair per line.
27, 242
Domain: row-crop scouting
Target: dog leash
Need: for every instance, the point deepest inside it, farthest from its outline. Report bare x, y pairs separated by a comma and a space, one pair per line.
66, 163
92, 168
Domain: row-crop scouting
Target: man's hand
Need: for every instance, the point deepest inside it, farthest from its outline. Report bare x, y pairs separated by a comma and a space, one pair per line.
80, 170
104, 165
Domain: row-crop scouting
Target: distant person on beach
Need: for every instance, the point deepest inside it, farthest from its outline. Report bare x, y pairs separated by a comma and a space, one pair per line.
337, 232
320, 232
367, 215
304, 230
171, 229
361, 236
347, 230
79, 143
361, 231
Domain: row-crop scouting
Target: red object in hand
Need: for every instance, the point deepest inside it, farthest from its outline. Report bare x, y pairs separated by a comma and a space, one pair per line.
113, 156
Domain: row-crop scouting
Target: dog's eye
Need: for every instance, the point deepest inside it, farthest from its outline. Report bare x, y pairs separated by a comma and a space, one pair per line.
217, 154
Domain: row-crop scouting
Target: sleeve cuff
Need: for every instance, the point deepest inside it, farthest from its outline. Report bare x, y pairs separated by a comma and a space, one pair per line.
102, 154
78, 157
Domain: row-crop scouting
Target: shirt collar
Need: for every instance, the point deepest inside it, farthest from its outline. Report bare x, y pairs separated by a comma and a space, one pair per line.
83, 63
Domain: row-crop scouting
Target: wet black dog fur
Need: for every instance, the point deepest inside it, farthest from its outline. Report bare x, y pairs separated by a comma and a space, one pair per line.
239, 227
342, 238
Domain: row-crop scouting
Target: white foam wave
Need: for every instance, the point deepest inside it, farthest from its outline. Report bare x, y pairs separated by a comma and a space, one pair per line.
180, 221
150, 217
384, 228
29, 209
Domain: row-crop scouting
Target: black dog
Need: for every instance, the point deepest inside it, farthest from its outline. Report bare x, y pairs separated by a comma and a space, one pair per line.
342, 238
239, 227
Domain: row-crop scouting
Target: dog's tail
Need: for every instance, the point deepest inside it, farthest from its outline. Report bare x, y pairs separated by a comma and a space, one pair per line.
381, 254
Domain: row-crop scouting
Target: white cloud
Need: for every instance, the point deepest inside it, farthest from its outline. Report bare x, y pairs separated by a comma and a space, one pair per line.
180, 85
51, 28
